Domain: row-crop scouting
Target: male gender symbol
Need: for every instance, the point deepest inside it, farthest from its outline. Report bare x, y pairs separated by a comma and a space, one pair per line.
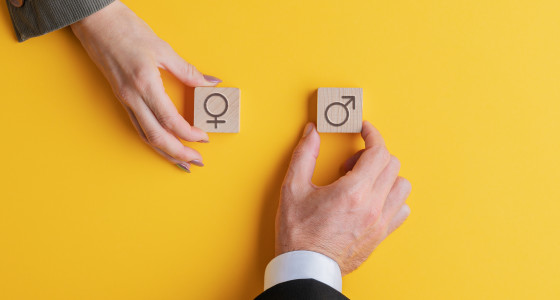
344, 106
215, 116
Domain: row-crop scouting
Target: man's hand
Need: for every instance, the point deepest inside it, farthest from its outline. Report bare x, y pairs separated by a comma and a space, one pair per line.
130, 54
347, 219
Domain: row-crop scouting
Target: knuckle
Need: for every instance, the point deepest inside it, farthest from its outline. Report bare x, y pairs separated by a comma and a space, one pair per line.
298, 154
155, 139
374, 215
144, 78
167, 121
405, 186
383, 227
395, 162
376, 221
193, 70
380, 154
288, 190
355, 197
407, 211
188, 69
383, 154
125, 94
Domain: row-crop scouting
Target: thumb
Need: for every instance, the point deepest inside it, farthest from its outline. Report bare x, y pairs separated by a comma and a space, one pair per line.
304, 159
187, 73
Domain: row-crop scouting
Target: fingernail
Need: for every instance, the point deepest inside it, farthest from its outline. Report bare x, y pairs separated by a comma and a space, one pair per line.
197, 162
212, 79
307, 129
204, 141
184, 167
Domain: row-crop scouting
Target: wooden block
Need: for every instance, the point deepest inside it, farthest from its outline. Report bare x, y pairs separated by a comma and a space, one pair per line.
216, 109
339, 110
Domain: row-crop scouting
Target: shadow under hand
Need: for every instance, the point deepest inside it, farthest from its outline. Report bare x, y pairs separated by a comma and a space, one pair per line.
95, 78
266, 235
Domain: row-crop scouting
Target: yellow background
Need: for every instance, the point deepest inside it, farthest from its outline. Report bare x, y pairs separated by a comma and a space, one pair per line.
466, 94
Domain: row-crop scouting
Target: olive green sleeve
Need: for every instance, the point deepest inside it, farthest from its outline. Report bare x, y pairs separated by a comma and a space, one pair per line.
37, 17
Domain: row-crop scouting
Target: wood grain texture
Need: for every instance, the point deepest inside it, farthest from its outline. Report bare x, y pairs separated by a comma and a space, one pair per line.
339, 110
217, 109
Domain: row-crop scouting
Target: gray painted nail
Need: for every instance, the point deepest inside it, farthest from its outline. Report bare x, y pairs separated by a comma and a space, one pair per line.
212, 79
197, 162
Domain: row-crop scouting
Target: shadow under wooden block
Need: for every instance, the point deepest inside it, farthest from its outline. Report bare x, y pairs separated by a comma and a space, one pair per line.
339, 110
312, 106
217, 109
188, 108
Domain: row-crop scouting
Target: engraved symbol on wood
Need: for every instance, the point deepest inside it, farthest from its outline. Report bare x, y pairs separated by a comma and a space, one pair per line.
344, 106
216, 115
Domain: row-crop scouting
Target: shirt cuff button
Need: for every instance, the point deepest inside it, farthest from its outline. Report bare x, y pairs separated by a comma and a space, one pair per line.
17, 3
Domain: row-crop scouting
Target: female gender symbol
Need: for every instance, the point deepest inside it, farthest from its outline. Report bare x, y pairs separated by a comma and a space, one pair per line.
215, 116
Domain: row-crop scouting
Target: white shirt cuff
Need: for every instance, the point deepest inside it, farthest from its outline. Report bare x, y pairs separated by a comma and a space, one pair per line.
303, 265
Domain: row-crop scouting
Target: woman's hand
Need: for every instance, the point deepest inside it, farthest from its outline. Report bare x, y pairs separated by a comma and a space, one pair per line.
130, 54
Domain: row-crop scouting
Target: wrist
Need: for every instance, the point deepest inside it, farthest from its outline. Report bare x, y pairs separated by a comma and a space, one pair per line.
306, 245
95, 21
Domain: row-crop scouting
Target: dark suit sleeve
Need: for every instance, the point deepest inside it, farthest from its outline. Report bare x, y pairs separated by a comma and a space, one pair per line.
37, 17
301, 289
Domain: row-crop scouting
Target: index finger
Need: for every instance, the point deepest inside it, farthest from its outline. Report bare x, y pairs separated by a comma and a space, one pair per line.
165, 111
375, 157
372, 137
